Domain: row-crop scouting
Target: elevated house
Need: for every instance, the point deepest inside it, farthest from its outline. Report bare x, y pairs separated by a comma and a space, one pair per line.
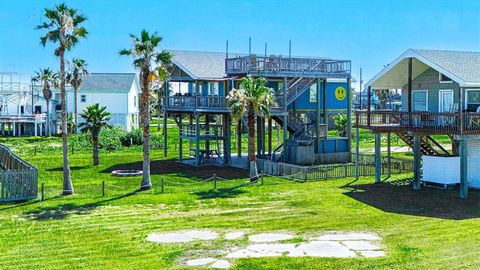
307, 89
440, 96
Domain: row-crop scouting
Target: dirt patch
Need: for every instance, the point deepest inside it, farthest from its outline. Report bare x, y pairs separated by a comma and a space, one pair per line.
174, 167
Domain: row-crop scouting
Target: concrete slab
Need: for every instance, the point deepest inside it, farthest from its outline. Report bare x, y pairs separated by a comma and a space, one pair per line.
326, 249
361, 245
234, 235
182, 237
221, 264
200, 262
269, 237
348, 236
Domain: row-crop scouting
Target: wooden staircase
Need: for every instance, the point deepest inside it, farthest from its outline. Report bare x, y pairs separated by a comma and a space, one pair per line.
428, 145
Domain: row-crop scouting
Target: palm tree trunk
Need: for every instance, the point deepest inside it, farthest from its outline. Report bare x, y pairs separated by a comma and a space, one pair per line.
48, 116
67, 181
159, 111
251, 145
145, 118
75, 110
96, 158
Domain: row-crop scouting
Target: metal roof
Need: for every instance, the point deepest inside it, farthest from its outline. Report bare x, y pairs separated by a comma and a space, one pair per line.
108, 81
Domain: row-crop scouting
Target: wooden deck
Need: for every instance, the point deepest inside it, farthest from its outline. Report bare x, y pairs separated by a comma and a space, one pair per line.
419, 122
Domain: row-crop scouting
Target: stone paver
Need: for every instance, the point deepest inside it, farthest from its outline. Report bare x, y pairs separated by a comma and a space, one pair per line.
234, 235
200, 262
361, 245
348, 236
372, 253
182, 237
326, 249
221, 264
269, 237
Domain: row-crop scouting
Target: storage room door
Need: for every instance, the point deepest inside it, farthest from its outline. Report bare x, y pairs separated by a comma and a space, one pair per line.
473, 163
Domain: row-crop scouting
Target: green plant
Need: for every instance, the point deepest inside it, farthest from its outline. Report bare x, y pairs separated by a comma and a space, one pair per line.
341, 124
253, 98
145, 54
95, 119
47, 78
75, 78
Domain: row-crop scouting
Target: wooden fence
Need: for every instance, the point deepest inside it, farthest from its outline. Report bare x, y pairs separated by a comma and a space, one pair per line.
18, 178
332, 171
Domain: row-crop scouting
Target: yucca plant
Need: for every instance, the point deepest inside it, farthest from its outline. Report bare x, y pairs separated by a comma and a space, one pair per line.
253, 98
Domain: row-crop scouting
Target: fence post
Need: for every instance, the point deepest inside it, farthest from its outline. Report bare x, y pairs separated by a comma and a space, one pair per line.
35, 150
43, 192
261, 178
214, 181
103, 188
163, 184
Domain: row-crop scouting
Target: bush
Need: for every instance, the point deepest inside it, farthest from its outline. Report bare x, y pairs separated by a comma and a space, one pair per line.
110, 138
133, 137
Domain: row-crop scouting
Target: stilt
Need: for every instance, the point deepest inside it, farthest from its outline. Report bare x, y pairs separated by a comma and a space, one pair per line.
14, 130
35, 128
389, 154
259, 136
226, 139
318, 118
239, 138
197, 140
357, 153
165, 136
463, 169
269, 137
190, 121
417, 160
285, 137
207, 130
378, 158
349, 115
180, 141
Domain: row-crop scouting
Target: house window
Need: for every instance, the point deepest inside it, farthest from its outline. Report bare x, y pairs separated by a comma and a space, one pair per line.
444, 79
420, 100
135, 101
312, 94
473, 100
83, 98
213, 89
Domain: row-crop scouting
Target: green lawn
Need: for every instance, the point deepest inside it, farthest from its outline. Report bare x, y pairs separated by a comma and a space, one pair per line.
427, 229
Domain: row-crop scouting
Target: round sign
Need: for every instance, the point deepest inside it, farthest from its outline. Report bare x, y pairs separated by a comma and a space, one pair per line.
340, 93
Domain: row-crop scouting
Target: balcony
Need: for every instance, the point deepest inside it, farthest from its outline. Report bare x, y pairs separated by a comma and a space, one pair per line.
197, 103
419, 122
277, 66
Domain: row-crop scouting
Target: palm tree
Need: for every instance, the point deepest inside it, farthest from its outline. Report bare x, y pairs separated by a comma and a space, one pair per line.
253, 98
47, 78
63, 28
96, 118
75, 78
151, 65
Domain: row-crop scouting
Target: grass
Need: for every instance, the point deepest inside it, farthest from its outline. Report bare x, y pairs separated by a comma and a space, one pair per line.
427, 229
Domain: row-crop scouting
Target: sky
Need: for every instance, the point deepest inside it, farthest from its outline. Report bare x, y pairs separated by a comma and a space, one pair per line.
370, 33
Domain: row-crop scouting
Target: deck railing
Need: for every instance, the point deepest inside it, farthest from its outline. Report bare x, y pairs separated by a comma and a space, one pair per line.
197, 102
426, 122
18, 179
297, 65
39, 118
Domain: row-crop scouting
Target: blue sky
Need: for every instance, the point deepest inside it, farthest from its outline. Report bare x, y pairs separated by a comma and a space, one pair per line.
370, 33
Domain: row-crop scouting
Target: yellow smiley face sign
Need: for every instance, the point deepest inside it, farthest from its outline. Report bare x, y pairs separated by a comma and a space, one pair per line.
340, 93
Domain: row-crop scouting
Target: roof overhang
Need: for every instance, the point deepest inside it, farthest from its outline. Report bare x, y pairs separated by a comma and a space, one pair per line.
395, 75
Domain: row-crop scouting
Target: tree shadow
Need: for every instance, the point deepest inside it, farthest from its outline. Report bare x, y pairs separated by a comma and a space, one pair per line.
399, 197
72, 168
221, 193
62, 211
172, 166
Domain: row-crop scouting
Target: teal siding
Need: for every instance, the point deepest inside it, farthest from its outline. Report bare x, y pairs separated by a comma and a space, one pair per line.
428, 80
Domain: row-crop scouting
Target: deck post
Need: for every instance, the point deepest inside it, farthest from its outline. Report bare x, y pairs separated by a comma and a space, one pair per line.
165, 116
325, 110
269, 137
35, 127
226, 139
378, 157
349, 115
285, 118
463, 169
389, 154
369, 105
180, 141
460, 110
410, 91
197, 139
207, 131
417, 156
357, 153
239, 138
318, 114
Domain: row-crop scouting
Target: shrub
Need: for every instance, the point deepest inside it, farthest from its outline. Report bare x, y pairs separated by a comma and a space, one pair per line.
110, 138
133, 137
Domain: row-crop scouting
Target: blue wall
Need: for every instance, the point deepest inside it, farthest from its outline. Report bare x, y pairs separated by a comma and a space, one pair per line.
205, 86
334, 145
303, 102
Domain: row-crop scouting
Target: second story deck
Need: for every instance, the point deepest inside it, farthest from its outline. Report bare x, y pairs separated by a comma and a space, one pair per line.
278, 66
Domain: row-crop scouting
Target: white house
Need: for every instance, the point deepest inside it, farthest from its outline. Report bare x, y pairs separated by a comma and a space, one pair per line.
119, 92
